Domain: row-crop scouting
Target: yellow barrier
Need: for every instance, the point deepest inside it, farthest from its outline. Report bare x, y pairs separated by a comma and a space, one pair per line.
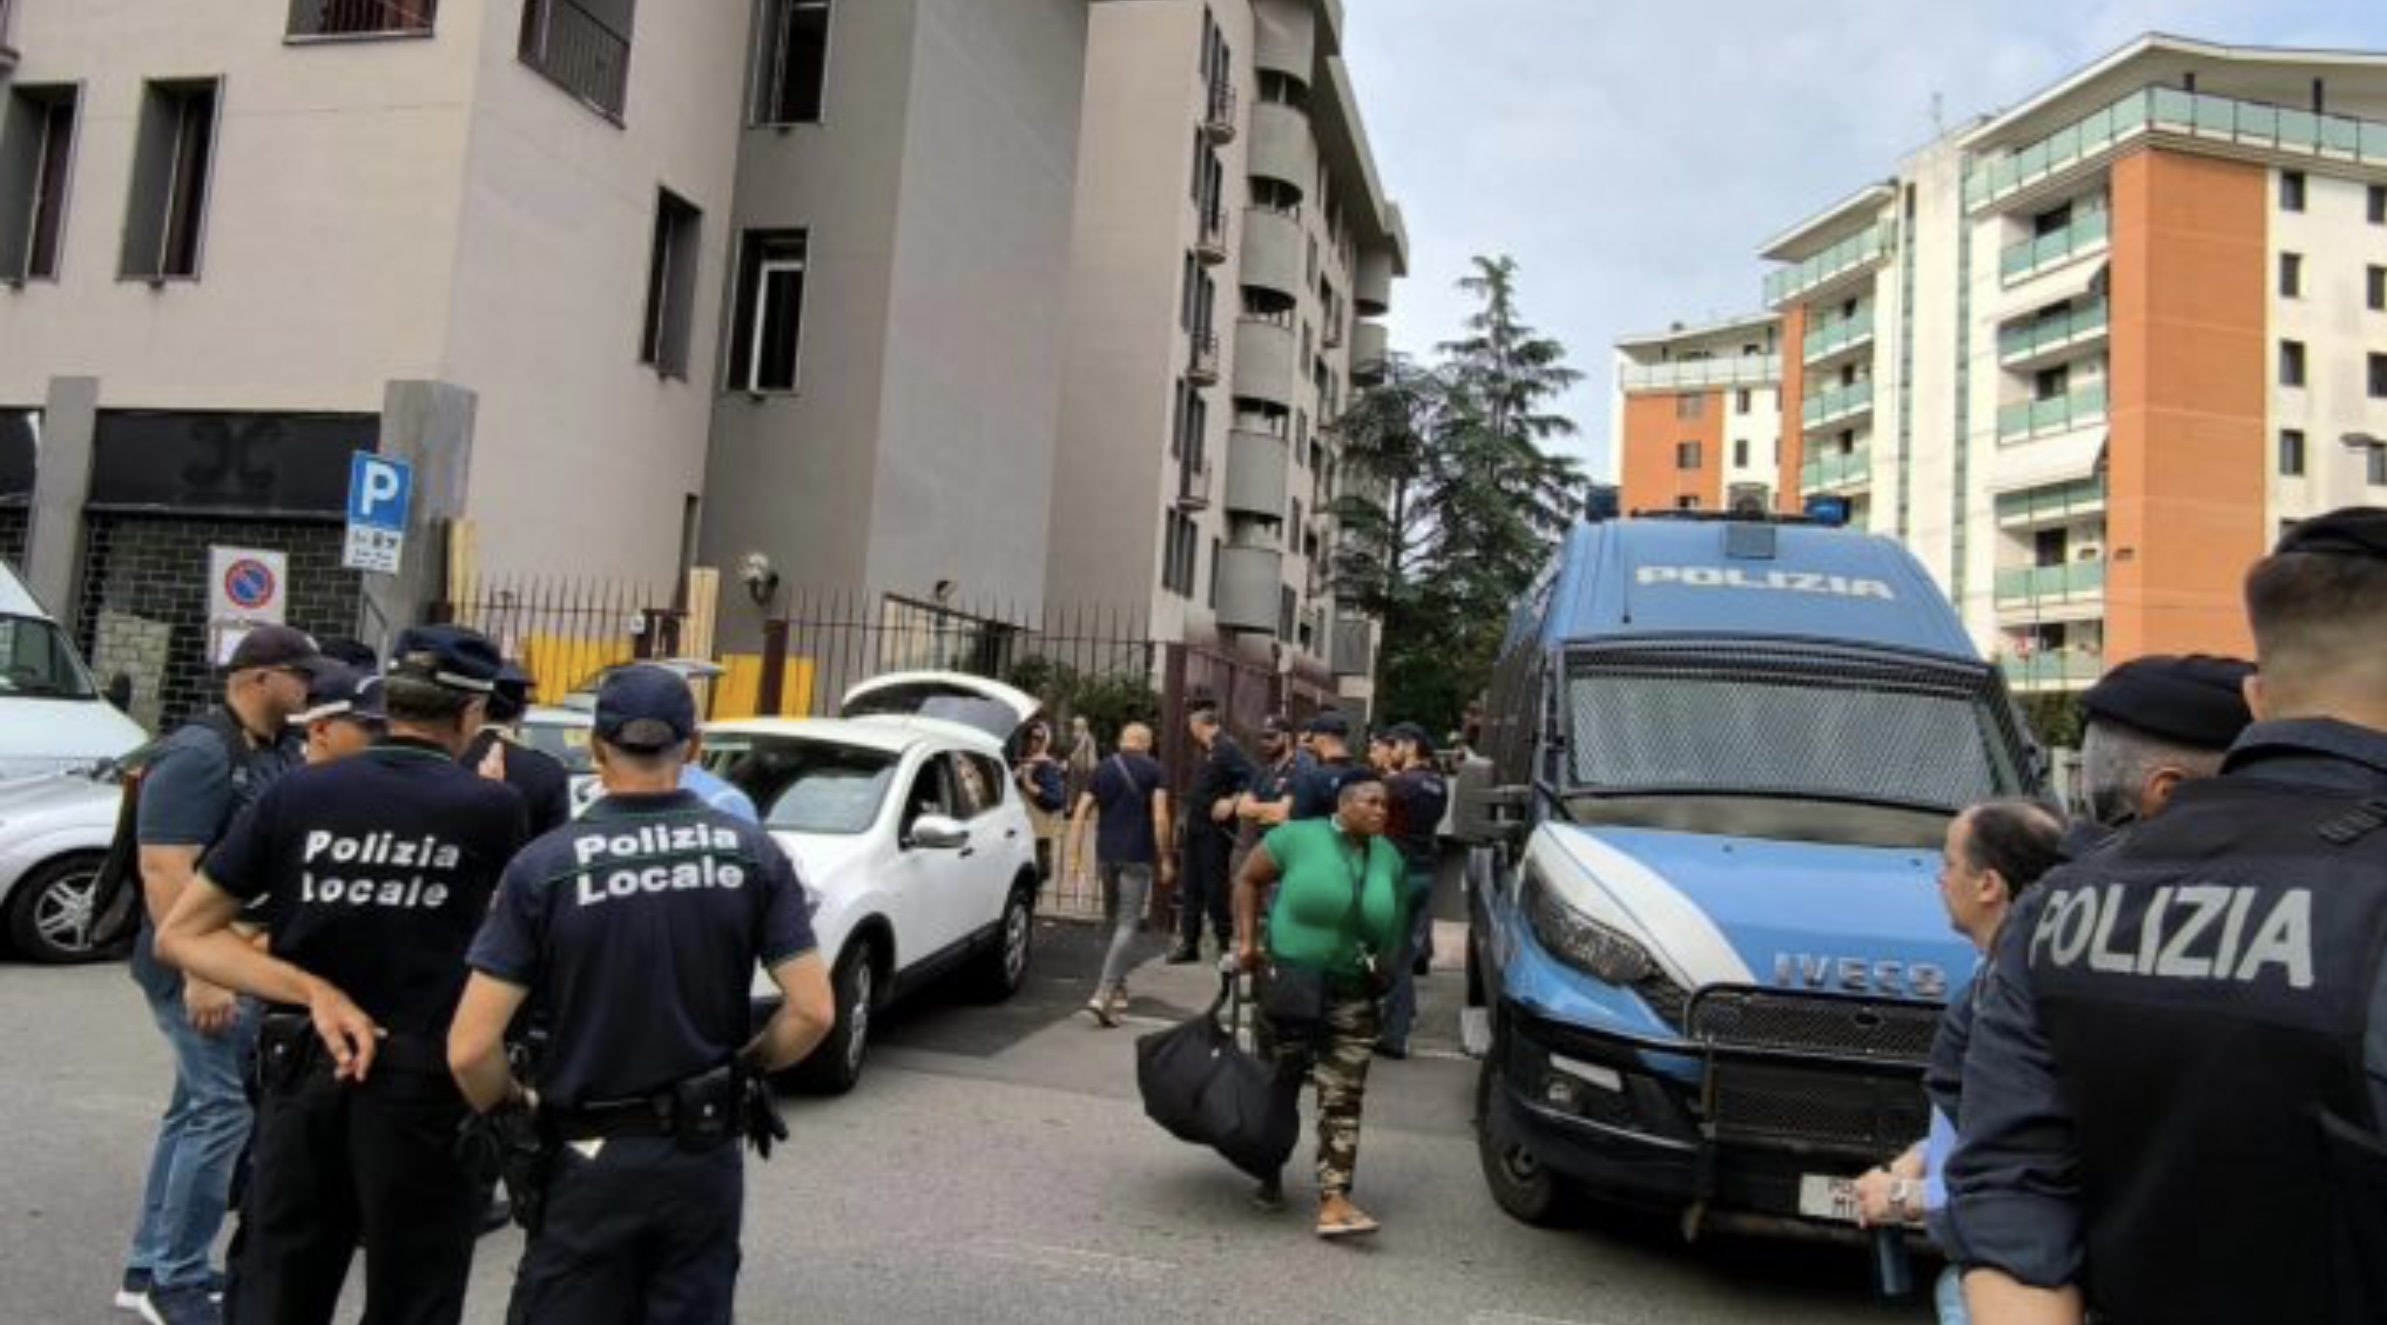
738, 694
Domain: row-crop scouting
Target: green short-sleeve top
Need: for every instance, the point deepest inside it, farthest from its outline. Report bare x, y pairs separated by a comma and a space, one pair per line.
1312, 923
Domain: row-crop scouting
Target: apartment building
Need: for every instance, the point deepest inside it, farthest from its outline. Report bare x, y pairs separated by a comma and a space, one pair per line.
1235, 251
1698, 414
2087, 356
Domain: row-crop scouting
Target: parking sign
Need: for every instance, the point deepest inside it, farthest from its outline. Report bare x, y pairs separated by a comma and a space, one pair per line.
378, 491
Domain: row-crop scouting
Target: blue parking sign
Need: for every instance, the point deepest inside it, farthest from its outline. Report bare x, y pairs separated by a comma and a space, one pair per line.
378, 490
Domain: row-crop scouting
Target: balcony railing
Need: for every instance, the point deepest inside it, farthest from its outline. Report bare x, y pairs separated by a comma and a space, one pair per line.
1852, 468
2030, 418
2176, 111
2087, 234
349, 18
578, 52
1218, 112
2073, 580
1836, 402
2058, 669
1850, 254
1743, 370
2083, 322
2053, 504
1193, 485
1201, 364
1829, 338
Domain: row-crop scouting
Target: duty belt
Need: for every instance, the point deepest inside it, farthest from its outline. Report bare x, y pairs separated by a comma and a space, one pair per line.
288, 1048
706, 1107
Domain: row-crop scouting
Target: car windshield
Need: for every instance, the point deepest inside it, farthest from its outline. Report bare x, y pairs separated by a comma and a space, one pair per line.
35, 662
805, 786
1897, 736
567, 741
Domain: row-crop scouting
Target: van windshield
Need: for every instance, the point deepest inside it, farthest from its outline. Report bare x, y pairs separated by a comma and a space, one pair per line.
1900, 737
35, 662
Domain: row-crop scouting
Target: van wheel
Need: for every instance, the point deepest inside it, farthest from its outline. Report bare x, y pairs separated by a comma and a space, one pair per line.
1519, 1183
1004, 967
53, 914
836, 1063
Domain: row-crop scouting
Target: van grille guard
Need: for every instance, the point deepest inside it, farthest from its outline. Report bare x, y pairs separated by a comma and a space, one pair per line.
1845, 1028
1837, 1071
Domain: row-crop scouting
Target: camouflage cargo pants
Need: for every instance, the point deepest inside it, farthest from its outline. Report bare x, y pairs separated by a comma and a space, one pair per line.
1336, 1061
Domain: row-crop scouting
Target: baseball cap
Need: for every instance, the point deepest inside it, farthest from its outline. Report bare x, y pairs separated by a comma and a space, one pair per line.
451, 657
274, 646
341, 691
1276, 724
645, 708
1412, 733
512, 681
2197, 699
1329, 723
2351, 531
355, 653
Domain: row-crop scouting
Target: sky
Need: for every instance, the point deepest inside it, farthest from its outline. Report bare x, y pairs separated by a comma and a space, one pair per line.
1633, 155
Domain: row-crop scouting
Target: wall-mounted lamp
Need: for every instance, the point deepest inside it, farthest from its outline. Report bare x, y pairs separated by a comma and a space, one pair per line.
760, 578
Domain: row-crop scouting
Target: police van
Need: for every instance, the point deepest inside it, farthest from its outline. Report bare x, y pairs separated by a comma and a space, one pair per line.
1707, 954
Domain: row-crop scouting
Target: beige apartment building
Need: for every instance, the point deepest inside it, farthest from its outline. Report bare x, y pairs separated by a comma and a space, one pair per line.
1235, 251
2086, 356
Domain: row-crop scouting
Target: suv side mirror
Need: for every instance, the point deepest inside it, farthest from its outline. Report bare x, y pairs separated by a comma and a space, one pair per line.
119, 691
1483, 814
935, 832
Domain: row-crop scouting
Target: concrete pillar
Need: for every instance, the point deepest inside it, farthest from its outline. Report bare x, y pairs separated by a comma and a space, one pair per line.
429, 425
61, 486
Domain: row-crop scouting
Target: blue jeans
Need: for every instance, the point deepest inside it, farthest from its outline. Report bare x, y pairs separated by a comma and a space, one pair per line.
198, 1140
1948, 1296
1125, 890
1400, 1003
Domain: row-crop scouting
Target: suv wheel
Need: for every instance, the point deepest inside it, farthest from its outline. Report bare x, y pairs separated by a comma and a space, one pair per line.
1004, 967
836, 1063
53, 917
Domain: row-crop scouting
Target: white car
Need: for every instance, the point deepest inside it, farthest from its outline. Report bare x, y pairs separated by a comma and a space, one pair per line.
563, 733
55, 829
910, 838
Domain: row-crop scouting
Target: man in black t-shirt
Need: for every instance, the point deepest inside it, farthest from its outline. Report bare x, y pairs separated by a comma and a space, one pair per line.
637, 930
1130, 844
1225, 774
1318, 787
1418, 797
496, 751
376, 870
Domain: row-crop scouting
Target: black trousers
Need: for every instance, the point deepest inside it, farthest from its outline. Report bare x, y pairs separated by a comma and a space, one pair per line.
337, 1164
1205, 889
642, 1233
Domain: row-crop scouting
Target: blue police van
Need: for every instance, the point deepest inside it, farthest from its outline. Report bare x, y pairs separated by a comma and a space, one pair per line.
1707, 954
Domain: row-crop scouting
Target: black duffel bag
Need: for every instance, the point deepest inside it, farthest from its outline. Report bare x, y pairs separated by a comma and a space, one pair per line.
1203, 1088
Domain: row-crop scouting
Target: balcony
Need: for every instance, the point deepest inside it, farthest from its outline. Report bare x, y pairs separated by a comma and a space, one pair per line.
1368, 348
2174, 111
1210, 238
2023, 343
2073, 582
1351, 646
1282, 147
1860, 252
1201, 360
1851, 469
1828, 339
1683, 374
1264, 371
2059, 503
1218, 113
1259, 475
1273, 253
2059, 669
2088, 233
1371, 285
348, 18
1193, 485
569, 44
2036, 418
1833, 404
1251, 580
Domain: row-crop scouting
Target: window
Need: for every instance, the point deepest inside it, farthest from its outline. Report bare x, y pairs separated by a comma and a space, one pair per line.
1288, 606
1686, 455
2375, 466
2291, 275
2291, 452
2049, 383
769, 327
359, 18
1689, 405
2377, 364
173, 153
1182, 549
1740, 452
1216, 544
1740, 401
2375, 288
671, 285
583, 47
1686, 503
2291, 363
791, 48
2378, 204
2291, 190
37, 145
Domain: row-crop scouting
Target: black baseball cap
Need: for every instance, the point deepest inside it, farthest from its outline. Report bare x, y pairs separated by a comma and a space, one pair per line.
644, 709
353, 652
2197, 700
275, 646
1276, 724
513, 682
1329, 723
1413, 734
2352, 531
340, 691
451, 657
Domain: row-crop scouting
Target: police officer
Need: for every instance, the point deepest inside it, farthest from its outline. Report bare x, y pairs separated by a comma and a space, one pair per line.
1418, 797
344, 714
637, 929
2153, 723
376, 871
2178, 1070
1318, 787
496, 750
1209, 840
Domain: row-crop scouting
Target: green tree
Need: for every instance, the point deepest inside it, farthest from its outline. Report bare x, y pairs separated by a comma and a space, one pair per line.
1451, 503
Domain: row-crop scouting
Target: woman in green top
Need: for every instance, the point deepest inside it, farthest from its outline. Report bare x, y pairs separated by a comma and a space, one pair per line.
1339, 906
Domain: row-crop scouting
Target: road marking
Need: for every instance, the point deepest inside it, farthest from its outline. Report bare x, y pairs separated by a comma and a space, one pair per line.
1512, 1318
1069, 1260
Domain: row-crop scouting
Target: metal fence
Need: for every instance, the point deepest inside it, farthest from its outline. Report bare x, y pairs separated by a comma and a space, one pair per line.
353, 18
579, 51
564, 629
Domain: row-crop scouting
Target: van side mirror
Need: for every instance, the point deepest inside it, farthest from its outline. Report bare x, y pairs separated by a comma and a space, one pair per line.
120, 691
1483, 814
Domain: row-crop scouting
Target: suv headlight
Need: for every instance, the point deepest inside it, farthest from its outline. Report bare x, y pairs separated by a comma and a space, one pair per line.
1581, 941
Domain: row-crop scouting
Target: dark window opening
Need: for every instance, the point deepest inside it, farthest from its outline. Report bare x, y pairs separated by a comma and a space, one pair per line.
792, 61
2291, 190
583, 47
1686, 455
36, 150
768, 333
360, 18
172, 158
2291, 275
670, 285
2291, 363
2291, 452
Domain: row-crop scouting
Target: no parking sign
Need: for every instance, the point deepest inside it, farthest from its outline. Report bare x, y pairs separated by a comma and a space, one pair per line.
245, 587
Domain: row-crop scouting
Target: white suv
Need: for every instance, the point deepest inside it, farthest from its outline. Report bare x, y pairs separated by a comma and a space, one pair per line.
910, 838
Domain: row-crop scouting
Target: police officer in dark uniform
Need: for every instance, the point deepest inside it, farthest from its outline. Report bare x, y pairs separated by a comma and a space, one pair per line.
1318, 787
637, 929
545, 784
376, 871
1209, 838
1418, 798
2178, 1074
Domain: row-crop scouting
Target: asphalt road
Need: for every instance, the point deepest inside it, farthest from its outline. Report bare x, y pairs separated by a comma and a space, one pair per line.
993, 1167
